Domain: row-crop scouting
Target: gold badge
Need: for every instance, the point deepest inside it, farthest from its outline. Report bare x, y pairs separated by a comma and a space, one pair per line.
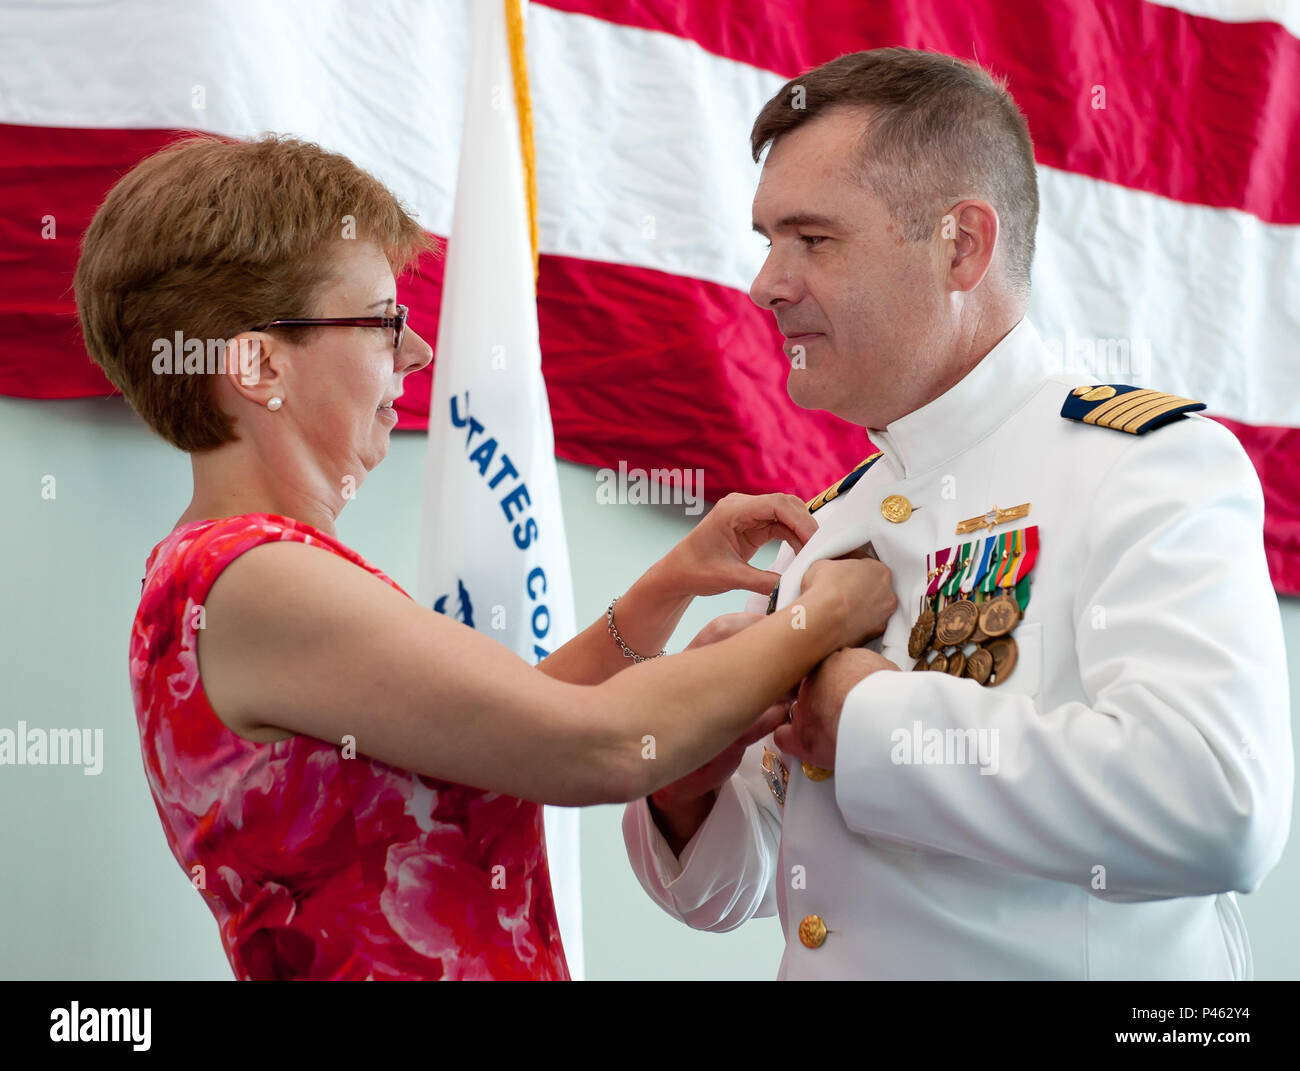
816, 773
993, 518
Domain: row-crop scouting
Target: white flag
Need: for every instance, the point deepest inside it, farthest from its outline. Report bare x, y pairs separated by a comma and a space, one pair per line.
493, 552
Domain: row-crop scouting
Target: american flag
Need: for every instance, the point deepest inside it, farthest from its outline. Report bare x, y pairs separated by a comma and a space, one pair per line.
1167, 137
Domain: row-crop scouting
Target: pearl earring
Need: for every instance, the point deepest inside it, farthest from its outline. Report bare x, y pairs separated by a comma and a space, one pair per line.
274, 404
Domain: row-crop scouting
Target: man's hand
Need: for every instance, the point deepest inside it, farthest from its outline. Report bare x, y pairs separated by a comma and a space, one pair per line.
814, 725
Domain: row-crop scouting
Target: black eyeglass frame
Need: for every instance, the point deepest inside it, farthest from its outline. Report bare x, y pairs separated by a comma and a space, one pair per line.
397, 323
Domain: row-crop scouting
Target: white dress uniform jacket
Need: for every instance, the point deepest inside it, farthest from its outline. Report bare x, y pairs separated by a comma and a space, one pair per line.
1138, 756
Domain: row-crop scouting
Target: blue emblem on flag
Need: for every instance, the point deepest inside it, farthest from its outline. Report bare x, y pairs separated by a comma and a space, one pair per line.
464, 611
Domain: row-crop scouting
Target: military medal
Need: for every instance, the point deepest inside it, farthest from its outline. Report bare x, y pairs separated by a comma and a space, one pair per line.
775, 774
958, 619
1004, 652
977, 596
979, 665
1000, 614
1007, 609
923, 630
922, 633
953, 619
956, 623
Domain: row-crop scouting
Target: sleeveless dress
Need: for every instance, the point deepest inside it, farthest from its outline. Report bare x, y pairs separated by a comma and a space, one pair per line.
318, 864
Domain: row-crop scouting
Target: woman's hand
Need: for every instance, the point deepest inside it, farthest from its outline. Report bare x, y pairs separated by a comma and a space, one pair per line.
857, 587
679, 808
714, 558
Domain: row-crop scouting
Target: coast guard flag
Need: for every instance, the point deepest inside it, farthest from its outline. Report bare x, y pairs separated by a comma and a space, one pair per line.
493, 552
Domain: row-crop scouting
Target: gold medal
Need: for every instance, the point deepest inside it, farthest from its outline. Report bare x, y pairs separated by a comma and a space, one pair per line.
1005, 652
979, 665
922, 633
940, 664
921, 664
956, 663
956, 623
816, 773
999, 616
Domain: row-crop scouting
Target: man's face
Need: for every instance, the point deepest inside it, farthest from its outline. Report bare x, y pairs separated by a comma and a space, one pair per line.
864, 312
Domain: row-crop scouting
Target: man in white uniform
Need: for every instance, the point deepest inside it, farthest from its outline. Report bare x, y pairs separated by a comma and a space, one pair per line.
1081, 800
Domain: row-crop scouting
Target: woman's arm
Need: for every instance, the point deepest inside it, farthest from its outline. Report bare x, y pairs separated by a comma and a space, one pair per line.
711, 559
299, 639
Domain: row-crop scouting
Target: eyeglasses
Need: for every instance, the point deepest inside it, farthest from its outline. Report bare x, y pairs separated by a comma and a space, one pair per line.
397, 323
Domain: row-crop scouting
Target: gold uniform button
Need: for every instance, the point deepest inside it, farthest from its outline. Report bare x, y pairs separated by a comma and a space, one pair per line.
896, 509
812, 931
1100, 394
816, 773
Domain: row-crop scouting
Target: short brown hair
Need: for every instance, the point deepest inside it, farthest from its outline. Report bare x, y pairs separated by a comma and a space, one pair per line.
208, 237
939, 129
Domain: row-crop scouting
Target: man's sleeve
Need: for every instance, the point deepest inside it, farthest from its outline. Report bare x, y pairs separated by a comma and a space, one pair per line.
1174, 777
726, 871
725, 875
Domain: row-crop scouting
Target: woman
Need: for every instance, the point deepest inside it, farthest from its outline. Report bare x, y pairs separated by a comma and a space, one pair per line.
352, 781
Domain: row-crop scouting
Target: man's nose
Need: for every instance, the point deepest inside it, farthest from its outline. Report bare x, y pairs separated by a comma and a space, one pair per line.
772, 285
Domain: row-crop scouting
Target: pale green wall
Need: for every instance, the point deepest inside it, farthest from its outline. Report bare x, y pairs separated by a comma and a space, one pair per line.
89, 888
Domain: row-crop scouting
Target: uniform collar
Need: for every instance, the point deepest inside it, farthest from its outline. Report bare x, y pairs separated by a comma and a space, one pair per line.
1008, 375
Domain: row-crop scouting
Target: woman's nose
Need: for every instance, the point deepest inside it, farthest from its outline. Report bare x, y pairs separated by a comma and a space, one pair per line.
415, 353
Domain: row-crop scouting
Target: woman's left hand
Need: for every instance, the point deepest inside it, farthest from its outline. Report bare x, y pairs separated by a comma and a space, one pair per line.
714, 558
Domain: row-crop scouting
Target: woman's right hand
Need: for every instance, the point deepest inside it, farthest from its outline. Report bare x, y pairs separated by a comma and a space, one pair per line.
860, 588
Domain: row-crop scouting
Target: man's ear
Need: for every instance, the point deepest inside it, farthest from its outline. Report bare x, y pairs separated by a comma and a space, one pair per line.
970, 231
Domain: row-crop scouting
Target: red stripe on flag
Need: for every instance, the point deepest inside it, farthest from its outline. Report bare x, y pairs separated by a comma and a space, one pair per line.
52, 180
646, 367
1274, 452
1198, 110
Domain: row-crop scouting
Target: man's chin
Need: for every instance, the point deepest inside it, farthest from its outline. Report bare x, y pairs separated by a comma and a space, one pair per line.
807, 393
802, 388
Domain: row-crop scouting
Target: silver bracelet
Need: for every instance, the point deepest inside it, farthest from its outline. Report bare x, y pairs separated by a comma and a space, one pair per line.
627, 651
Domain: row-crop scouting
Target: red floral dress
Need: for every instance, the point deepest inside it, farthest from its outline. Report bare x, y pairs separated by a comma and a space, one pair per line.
318, 865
